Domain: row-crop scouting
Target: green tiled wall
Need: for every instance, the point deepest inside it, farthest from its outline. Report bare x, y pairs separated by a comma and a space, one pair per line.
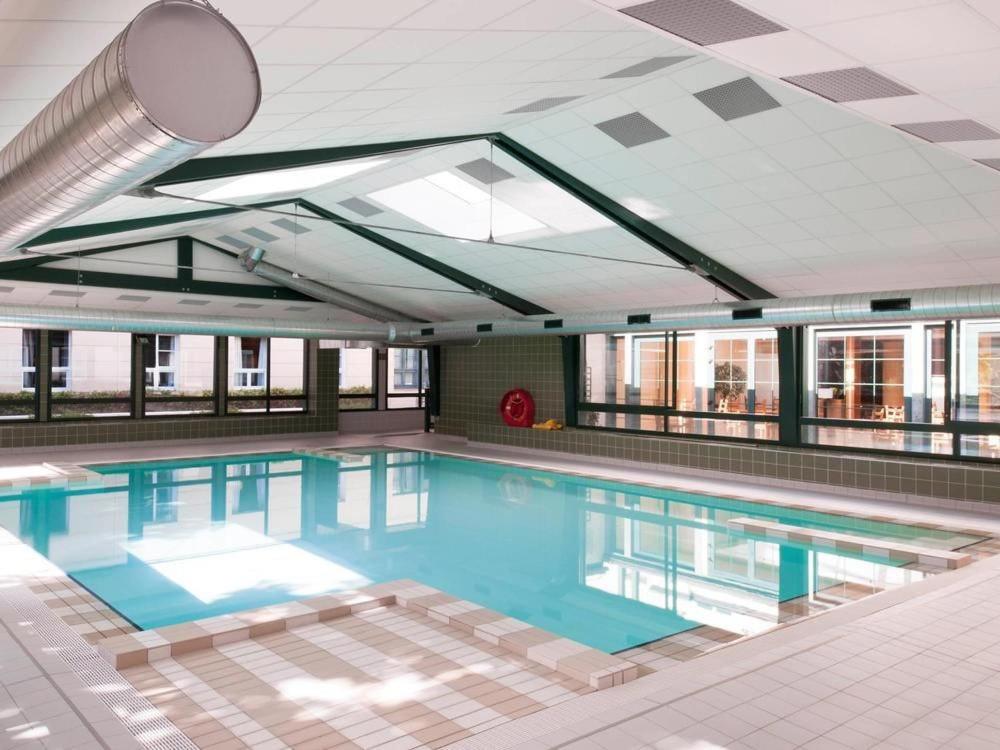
321, 417
474, 378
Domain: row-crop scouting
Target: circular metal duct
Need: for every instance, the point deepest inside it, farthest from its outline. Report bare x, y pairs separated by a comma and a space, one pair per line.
178, 79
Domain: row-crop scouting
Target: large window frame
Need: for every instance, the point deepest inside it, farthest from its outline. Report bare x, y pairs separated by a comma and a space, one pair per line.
20, 404
352, 397
65, 385
673, 420
152, 344
421, 383
946, 426
267, 397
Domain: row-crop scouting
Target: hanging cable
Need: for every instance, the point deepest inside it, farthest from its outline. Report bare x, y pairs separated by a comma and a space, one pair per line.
422, 233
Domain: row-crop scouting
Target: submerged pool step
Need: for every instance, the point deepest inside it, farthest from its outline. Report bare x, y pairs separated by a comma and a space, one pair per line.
836, 541
587, 665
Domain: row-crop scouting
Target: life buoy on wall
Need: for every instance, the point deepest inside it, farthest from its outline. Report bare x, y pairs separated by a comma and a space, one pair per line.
517, 408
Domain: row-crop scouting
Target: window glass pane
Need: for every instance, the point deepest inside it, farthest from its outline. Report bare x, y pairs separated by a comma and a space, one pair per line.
18, 373
94, 374
648, 422
727, 428
179, 367
406, 378
859, 375
981, 446
978, 398
288, 390
886, 439
624, 369
247, 375
356, 384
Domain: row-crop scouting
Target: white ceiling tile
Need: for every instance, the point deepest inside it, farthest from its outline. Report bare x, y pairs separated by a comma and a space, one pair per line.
976, 149
833, 225
803, 152
891, 165
729, 196
946, 28
863, 139
964, 230
302, 46
942, 210
459, 14
376, 14
777, 187
806, 207
398, 46
916, 108
886, 217
773, 126
53, 43
784, 54
973, 179
800, 13
546, 15
858, 198
935, 73
756, 215
338, 77
275, 78
748, 165
918, 188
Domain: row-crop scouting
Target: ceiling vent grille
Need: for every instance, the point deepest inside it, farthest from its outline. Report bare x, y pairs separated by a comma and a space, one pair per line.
540, 105
290, 226
233, 242
132, 298
646, 67
850, 85
260, 234
736, 99
360, 207
60, 293
193, 302
485, 171
633, 129
703, 21
944, 131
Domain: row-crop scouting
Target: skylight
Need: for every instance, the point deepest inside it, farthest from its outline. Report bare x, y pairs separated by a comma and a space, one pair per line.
448, 204
289, 180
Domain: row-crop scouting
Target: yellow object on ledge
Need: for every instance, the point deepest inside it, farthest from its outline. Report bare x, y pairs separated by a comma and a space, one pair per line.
548, 424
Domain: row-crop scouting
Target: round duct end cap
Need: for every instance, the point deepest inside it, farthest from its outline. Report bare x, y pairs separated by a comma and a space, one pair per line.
190, 71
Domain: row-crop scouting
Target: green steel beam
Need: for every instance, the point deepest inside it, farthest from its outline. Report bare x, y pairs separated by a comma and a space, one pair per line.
87, 231
461, 278
660, 239
215, 167
31, 261
69, 277
185, 259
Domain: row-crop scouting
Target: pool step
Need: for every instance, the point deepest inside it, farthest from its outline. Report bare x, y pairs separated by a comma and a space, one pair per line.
587, 665
334, 453
835, 541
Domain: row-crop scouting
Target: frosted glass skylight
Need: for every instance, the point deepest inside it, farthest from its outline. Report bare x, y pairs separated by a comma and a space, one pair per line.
448, 204
294, 181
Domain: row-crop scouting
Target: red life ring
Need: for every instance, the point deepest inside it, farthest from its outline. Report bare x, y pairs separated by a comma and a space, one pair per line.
517, 408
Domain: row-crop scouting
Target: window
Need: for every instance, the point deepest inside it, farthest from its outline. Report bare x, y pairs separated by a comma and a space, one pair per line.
407, 378
91, 374
682, 383
977, 397
877, 388
266, 375
357, 379
18, 375
59, 354
250, 369
179, 374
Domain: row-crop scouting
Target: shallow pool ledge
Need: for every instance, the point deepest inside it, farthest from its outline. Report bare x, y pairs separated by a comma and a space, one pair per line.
587, 665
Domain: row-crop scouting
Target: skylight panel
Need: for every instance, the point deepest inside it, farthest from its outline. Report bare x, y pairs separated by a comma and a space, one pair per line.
447, 204
288, 180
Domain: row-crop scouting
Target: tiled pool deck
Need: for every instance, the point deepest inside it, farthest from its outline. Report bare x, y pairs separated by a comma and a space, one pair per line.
855, 677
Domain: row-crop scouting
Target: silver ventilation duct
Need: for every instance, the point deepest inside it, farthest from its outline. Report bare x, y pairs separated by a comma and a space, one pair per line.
949, 303
953, 303
252, 260
77, 319
178, 79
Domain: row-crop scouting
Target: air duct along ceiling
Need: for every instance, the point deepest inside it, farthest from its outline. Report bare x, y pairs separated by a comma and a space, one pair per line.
177, 80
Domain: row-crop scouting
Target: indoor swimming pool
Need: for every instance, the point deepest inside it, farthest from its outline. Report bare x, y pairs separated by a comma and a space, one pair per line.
607, 564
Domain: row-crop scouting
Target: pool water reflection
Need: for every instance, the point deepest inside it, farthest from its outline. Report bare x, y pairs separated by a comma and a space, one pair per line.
607, 564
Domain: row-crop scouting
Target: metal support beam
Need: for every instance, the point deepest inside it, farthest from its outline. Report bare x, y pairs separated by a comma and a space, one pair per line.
660, 239
215, 167
789, 385
461, 278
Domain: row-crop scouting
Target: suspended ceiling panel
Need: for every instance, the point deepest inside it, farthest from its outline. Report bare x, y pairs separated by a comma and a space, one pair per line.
802, 196
335, 73
930, 67
158, 259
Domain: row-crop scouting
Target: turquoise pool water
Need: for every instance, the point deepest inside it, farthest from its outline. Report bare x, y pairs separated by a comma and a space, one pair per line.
611, 565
